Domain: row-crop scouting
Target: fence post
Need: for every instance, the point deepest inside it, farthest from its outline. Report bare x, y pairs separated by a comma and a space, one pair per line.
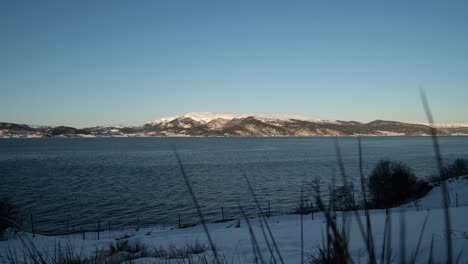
238, 223
416, 204
98, 227
456, 199
386, 211
222, 213
67, 223
32, 226
312, 215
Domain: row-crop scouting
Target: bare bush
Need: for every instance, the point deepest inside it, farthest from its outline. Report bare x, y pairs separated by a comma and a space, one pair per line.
342, 198
9, 217
392, 183
458, 168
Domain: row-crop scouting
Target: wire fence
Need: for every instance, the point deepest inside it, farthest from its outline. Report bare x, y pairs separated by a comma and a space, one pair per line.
92, 229
38, 226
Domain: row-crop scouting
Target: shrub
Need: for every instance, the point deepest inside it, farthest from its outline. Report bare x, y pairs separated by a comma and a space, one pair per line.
458, 168
173, 252
124, 246
60, 254
342, 198
9, 217
125, 252
392, 183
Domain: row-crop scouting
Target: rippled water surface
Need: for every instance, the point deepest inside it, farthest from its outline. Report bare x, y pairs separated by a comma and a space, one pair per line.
136, 181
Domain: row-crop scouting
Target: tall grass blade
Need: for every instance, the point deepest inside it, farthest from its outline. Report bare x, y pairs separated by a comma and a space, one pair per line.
253, 238
440, 165
384, 240
197, 206
370, 242
259, 208
459, 256
34, 254
402, 238
413, 259
388, 253
270, 249
340, 248
302, 224
431, 248
365, 236
263, 223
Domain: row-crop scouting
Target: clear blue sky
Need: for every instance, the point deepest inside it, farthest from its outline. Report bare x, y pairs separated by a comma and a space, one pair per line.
84, 63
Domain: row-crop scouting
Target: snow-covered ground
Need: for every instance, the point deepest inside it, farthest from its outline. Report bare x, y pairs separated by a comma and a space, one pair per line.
234, 244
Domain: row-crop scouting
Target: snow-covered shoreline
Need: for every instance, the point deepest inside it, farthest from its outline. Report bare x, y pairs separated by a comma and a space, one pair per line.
235, 244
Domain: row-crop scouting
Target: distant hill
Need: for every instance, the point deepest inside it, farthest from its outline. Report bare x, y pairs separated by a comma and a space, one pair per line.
64, 130
208, 124
282, 126
14, 127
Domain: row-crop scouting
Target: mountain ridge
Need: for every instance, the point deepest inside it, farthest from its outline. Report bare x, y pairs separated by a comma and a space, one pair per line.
209, 116
218, 124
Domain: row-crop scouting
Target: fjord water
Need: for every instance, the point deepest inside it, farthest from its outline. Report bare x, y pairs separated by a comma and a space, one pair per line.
136, 181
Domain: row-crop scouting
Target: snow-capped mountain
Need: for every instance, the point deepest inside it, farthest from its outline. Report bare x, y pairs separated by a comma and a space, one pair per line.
206, 117
227, 124
210, 124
